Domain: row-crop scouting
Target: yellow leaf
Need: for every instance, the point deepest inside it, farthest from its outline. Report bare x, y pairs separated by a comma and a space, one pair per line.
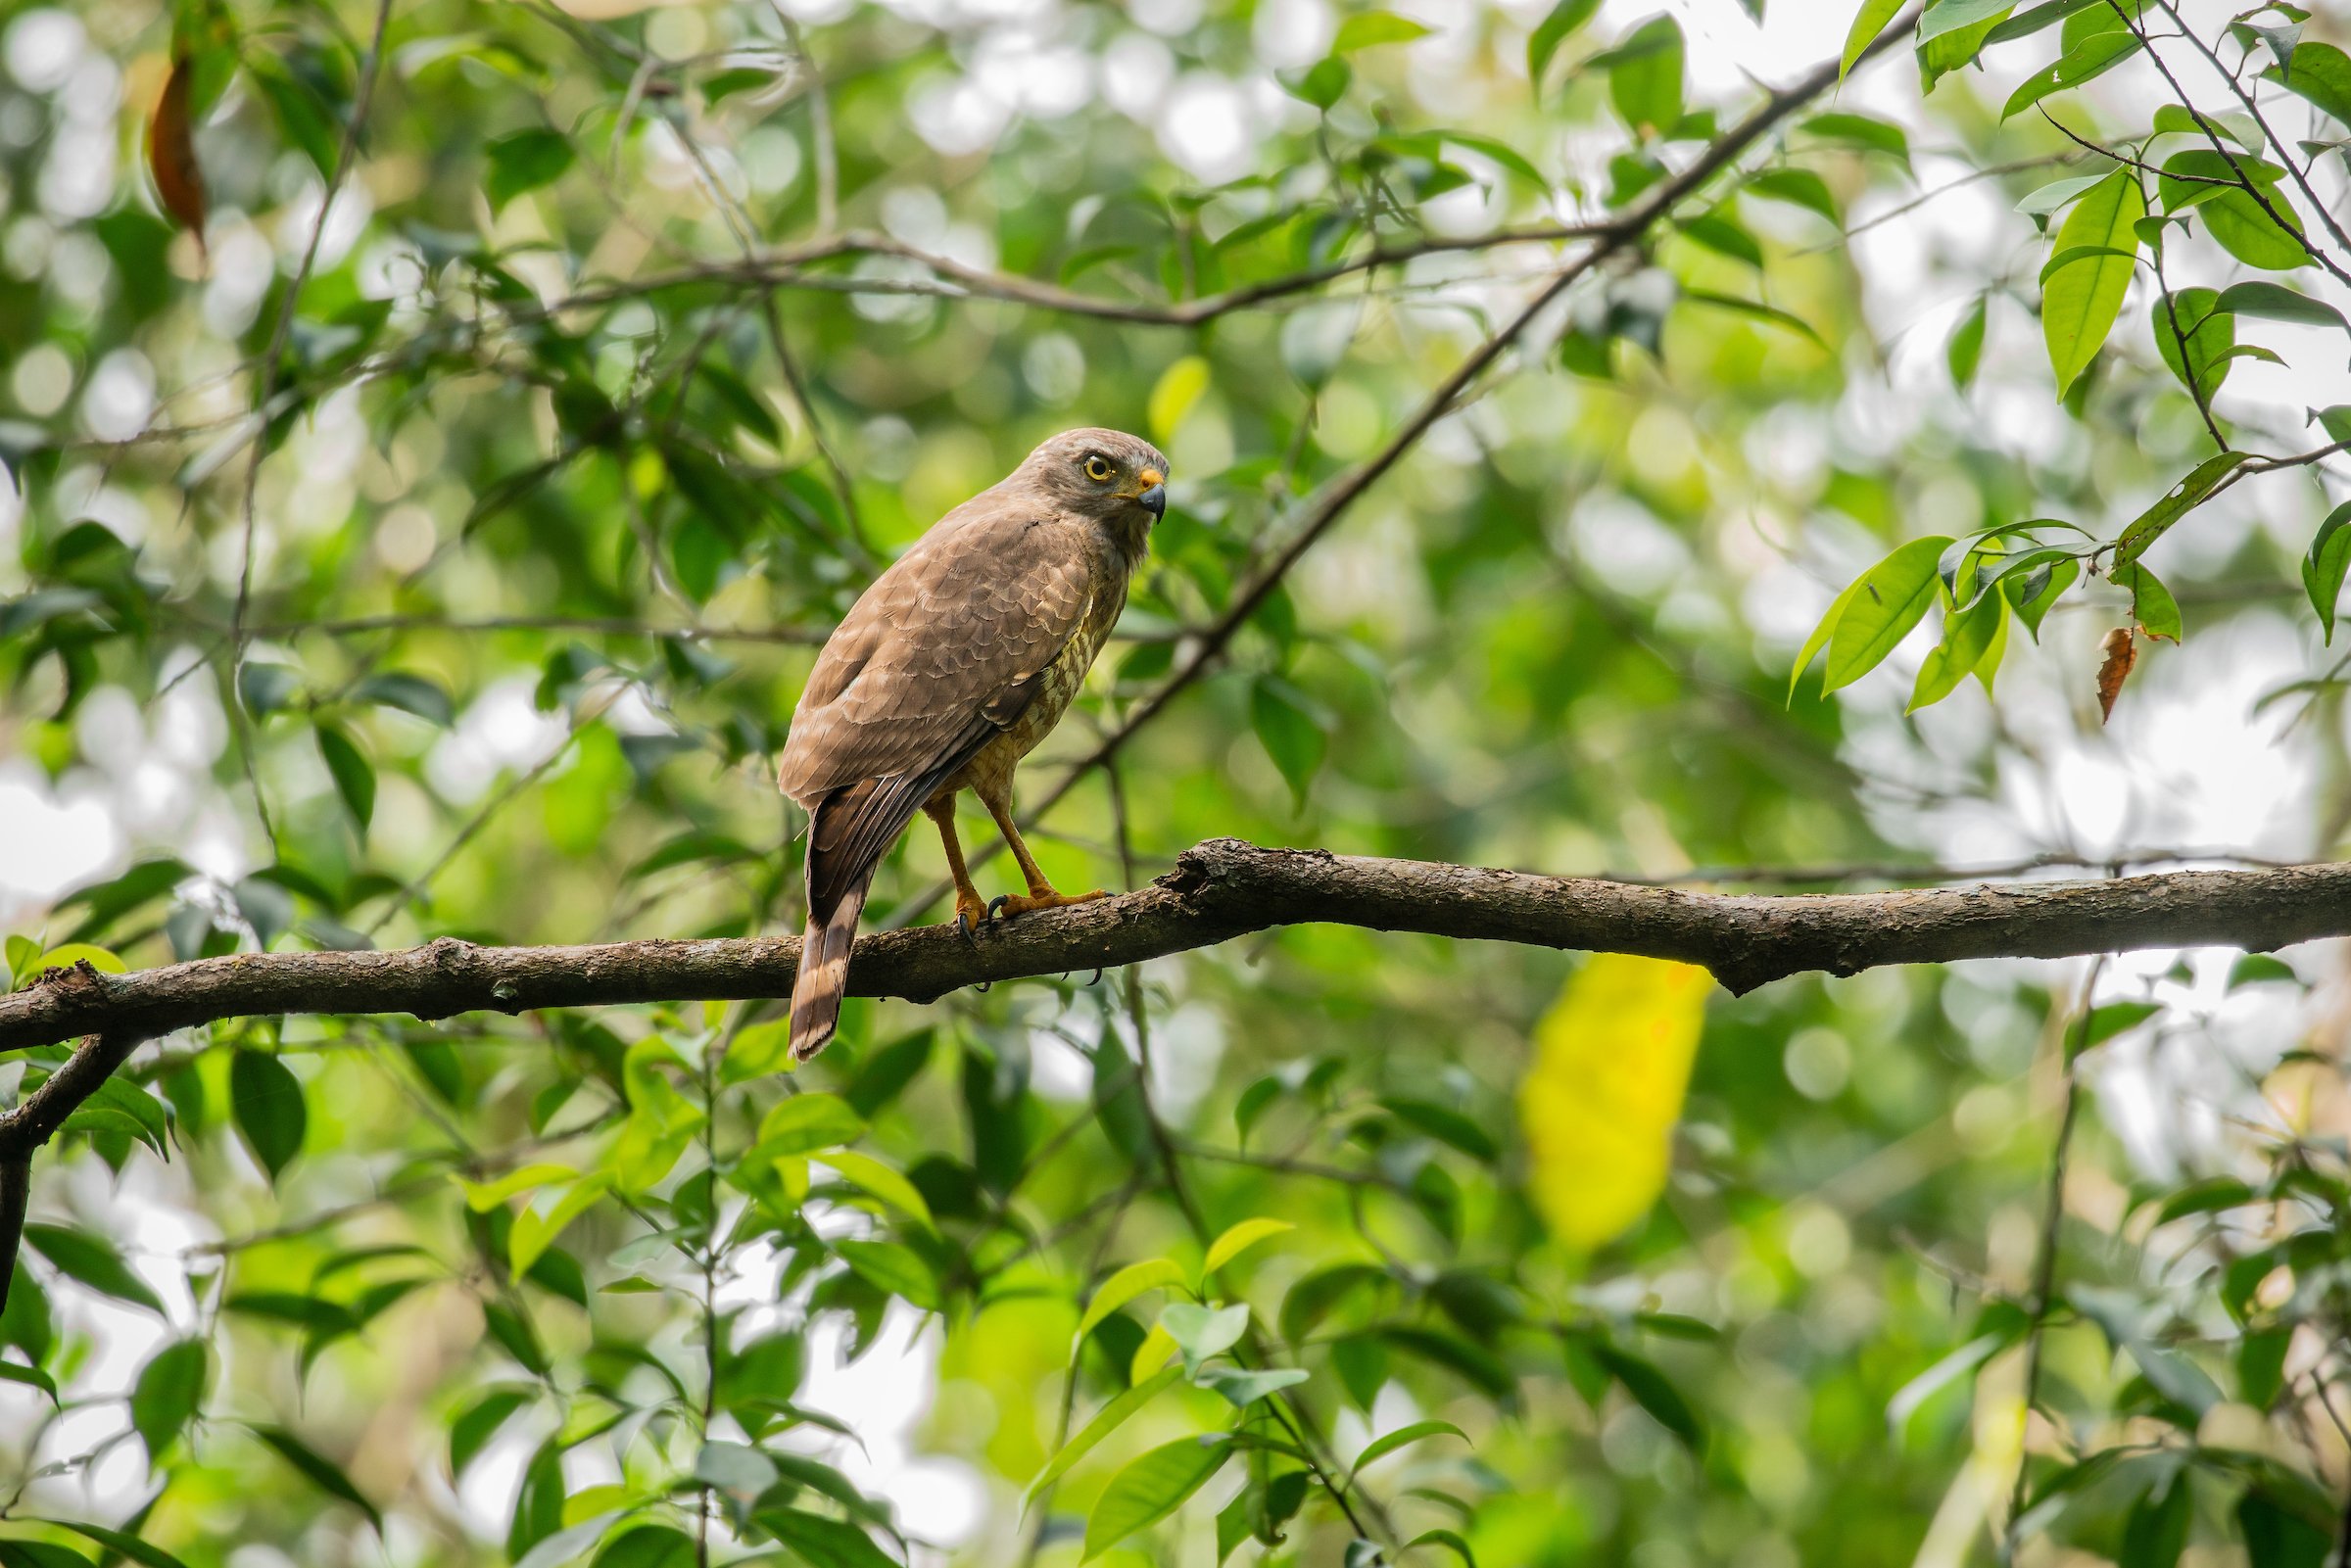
1611, 1064
1151, 1355
482, 1196
1239, 1239
1153, 1273
1179, 387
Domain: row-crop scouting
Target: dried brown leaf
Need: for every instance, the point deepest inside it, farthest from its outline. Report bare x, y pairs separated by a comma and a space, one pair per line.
172, 151
2122, 653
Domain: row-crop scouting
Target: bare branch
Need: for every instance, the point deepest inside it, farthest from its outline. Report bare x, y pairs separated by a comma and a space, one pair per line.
1219, 890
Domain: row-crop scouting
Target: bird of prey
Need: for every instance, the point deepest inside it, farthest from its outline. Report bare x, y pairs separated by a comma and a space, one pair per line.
949, 670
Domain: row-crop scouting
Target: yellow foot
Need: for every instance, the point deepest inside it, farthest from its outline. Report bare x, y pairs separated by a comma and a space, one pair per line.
971, 913
1010, 904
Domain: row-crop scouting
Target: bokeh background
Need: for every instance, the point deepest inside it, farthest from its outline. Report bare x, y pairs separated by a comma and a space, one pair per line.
471, 595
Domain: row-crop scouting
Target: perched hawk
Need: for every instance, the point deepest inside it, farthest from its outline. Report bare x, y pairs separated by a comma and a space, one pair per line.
947, 672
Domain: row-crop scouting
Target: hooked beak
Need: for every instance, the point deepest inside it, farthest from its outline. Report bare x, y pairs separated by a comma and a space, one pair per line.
1154, 493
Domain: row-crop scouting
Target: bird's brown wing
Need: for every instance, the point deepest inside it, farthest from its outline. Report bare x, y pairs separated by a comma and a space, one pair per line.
941, 653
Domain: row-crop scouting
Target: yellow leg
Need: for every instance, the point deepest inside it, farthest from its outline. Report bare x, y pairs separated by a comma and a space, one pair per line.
1041, 892
971, 910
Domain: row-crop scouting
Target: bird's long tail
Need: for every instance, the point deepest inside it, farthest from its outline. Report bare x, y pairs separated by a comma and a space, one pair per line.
824, 975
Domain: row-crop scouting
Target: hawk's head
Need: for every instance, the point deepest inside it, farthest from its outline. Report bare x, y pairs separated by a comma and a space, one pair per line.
1103, 474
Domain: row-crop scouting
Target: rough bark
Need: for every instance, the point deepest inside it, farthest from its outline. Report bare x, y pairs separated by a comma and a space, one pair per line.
1219, 890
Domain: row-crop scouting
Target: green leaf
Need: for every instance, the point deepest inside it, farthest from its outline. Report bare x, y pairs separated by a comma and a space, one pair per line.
1289, 731
1201, 1332
2049, 198
1238, 1238
1644, 75
2209, 334
2274, 302
1867, 23
166, 1395
31, 1377
1965, 352
122, 1107
1445, 1124
409, 694
1957, 15
524, 162
893, 1268
1939, 57
1885, 602
2323, 565
2097, 55
265, 688
2265, 233
1822, 632
1450, 1539
647, 1546
2322, 73
874, 1177
822, 1543
2210, 1196
1381, 1446
1366, 29
115, 1541
1106, 1420
1718, 231
1321, 84
1654, 1393
479, 1422
2176, 503
90, 1261
1244, 1387
266, 1099
2152, 603
1152, 1488
1946, 1370
2254, 968
2080, 303
1798, 188
1756, 308
354, 775
1967, 637
2277, 1538
305, 121
807, 1122
320, 1471
39, 1554
1153, 1273
1544, 42
2155, 1531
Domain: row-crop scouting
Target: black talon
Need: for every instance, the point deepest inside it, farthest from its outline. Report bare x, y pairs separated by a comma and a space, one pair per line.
997, 904
963, 928
1097, 980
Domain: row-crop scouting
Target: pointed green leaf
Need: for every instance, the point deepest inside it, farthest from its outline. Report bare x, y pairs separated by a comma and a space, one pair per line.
90, 1261
1106, 1420
1387, 1444
2080, 302
1867, 23
1153, 1273
1151, 1488
1887, 601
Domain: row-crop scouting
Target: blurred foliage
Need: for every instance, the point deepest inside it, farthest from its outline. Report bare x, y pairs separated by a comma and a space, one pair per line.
437, 436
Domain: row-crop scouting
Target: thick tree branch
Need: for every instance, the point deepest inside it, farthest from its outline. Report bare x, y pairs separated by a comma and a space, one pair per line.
1219, 890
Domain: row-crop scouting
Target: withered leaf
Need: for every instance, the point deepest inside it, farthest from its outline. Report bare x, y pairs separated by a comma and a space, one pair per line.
2122, 653
172, 151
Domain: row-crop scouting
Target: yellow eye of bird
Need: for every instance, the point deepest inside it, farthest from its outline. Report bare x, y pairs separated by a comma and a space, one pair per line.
1097, 469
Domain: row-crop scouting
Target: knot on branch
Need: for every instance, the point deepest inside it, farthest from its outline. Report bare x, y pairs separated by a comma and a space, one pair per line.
78, 981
